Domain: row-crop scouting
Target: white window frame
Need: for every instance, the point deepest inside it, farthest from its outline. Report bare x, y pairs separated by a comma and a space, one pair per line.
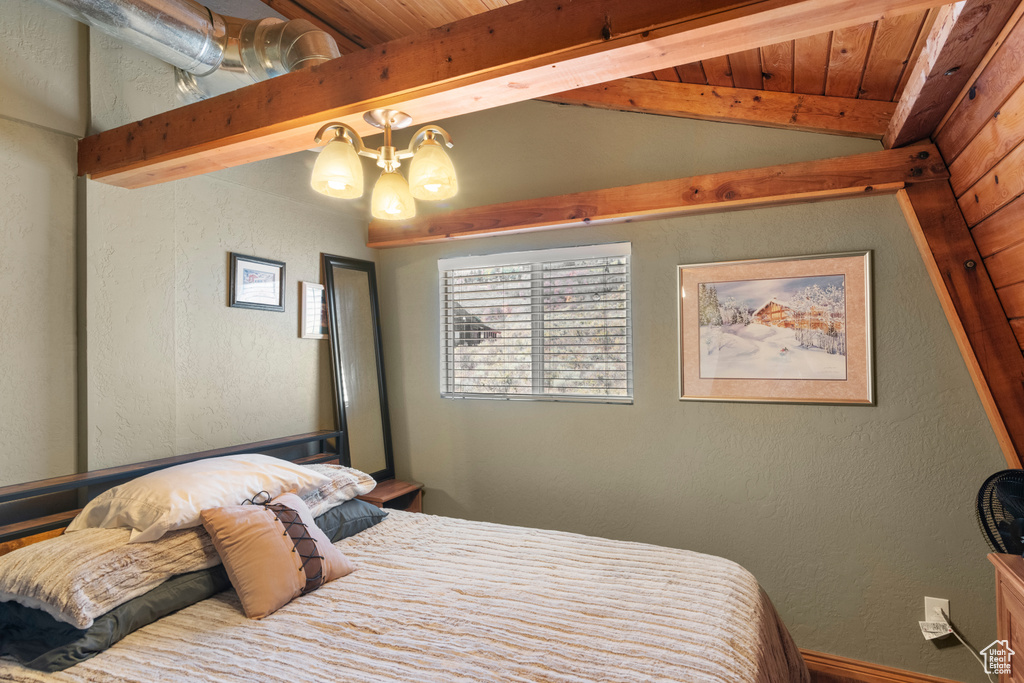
535, 258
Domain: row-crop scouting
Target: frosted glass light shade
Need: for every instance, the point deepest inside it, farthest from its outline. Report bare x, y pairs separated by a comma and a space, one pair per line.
431, 173
391, 199
337, 171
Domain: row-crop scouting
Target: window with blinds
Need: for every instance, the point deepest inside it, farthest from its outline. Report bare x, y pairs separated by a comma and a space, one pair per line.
543, 325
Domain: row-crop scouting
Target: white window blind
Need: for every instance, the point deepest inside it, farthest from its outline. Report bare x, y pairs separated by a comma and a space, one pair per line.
553, 324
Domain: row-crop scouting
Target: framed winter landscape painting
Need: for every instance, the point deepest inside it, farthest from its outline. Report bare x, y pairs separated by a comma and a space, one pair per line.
792, 330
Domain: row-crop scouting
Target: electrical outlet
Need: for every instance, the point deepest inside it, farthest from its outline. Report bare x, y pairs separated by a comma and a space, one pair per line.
932, 607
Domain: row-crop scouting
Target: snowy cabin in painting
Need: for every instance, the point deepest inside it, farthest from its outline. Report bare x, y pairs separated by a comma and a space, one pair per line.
774, 312
778, 314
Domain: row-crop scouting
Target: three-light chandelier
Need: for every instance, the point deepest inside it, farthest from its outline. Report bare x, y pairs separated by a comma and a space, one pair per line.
338, 172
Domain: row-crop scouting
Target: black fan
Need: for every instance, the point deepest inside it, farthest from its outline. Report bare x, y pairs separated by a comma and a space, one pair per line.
1001, 511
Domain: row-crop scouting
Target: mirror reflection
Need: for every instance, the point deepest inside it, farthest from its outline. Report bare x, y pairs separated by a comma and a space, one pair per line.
360, 394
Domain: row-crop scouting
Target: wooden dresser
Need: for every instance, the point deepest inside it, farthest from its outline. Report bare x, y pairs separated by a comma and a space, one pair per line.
1010, 609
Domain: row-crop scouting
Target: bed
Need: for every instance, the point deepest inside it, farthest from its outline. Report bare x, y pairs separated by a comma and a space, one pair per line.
442, 599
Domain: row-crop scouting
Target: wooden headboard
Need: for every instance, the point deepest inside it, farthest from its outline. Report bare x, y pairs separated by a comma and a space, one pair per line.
63, 497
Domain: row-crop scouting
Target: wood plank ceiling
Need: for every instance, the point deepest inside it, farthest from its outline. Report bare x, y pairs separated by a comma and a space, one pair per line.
869, 61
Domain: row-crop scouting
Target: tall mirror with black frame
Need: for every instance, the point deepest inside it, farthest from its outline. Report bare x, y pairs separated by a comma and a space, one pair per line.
360, 394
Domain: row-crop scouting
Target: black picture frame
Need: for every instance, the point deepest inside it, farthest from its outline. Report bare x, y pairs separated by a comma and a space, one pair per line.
238, 297
329, 263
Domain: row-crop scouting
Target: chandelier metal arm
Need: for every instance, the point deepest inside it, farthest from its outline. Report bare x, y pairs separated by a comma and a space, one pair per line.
349, 134
425, 133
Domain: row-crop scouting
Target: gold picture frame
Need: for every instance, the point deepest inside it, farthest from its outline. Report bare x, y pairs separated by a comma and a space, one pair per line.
777, 330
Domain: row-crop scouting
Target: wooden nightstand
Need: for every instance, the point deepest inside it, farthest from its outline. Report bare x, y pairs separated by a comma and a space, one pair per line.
1010, 609
395, 494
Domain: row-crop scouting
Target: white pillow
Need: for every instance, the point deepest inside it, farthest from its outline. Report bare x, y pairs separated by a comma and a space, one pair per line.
169, 499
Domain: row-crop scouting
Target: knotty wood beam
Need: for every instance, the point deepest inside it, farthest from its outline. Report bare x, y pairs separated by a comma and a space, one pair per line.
521, 51
958, 41
972, 308
813, 113
882, 172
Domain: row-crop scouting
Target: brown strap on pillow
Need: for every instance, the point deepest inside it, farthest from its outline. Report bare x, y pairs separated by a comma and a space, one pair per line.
305, 546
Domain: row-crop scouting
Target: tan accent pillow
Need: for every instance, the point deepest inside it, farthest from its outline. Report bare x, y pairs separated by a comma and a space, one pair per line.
270, 560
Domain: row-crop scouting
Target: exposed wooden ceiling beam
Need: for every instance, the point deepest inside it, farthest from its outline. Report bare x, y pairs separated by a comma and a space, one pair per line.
814, 113
973, 309
529, 49
958, 41
882, 172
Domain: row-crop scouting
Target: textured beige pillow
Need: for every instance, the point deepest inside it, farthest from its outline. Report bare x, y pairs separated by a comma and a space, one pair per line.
172, 498
77, 577
273, 554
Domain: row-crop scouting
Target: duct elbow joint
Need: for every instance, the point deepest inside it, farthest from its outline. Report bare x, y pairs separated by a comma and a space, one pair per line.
271, 47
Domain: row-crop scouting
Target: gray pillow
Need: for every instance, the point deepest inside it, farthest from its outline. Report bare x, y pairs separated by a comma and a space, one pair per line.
40, 642
348, 519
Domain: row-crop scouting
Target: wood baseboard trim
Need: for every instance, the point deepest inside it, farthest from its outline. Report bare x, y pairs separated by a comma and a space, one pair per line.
826, 668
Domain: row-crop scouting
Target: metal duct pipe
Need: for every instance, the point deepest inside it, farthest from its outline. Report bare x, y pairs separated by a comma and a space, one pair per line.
180, 32
213, 53
257, 50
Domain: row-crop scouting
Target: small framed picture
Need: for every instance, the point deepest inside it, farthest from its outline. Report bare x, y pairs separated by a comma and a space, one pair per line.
786, 330
256, 283
313, 315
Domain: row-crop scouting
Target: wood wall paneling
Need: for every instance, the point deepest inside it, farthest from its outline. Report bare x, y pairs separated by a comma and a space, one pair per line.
669, 74
973, 309
1007, 266
1013, 300
810, 63
847, 57
915, 52
982, 139
956, 45
891, 47
1001, 77
691, 73
746, 69
995, 188
814, 113
1018, 329
1003, 131
718, 71
777, 65
1002, 229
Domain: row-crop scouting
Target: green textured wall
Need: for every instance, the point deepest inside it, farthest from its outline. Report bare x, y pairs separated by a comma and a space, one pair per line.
849, 516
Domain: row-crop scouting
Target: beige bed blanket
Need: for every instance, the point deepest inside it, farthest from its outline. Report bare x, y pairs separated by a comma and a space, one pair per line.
436, 599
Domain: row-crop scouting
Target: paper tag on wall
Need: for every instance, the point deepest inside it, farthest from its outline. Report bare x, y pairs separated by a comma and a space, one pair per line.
934, 629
